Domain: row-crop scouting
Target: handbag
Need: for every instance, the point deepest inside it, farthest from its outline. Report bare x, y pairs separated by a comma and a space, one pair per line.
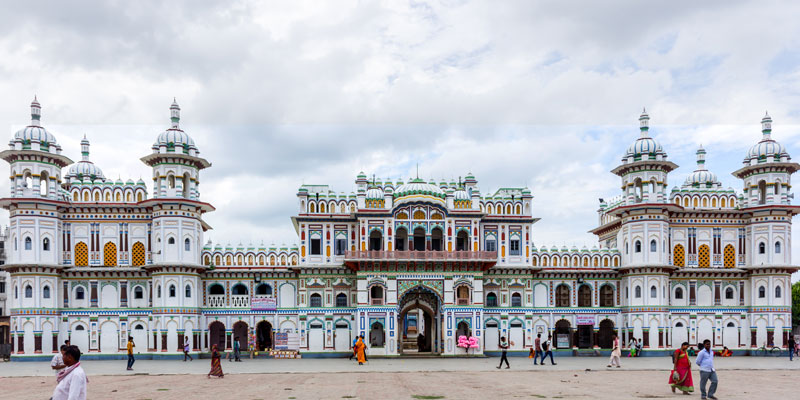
676, 376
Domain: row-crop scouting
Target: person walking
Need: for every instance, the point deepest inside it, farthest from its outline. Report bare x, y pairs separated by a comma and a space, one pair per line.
236, 350
616, 352
57, 362
681, 375
216, 365
537, 345
504, 356
186, 349
71, 380
546, 348
131, 360
355, 350
360, 350
791, 346
705, 359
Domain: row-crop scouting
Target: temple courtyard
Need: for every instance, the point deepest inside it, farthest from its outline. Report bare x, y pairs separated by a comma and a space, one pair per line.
477, 378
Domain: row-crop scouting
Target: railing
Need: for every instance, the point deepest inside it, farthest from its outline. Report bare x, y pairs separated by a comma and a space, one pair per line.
422, 255
462, 302
216, 300
240, 300
377, 302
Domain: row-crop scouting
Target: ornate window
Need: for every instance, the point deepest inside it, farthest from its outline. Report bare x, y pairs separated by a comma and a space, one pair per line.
562, 296
315, 300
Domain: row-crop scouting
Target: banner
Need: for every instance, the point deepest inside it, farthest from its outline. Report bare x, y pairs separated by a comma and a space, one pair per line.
287, 341
264, 304
584, 320
562, 340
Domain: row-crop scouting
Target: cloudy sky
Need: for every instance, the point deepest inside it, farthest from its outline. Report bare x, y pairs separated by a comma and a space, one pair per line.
538, 94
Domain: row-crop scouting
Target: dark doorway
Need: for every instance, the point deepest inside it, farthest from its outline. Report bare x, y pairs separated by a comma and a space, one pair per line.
375, 240
263, 336
585, 336
419, 239
563, 339
462, 241
605, 336
241, 331
216, 335
401, 239
436, 239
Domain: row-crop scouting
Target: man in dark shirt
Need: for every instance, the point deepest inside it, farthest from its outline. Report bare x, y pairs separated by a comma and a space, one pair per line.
504, 357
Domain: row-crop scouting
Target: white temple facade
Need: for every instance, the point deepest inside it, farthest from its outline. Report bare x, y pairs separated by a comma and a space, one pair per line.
411, 265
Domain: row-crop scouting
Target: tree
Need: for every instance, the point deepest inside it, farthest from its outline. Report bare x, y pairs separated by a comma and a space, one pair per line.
796, 304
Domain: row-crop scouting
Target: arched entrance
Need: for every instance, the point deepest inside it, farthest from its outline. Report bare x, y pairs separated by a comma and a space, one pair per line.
419, 321
563, 339
605, 336
240, 332
263, 336
377, 335
216, 335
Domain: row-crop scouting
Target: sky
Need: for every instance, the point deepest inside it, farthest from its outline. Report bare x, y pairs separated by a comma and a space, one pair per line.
277, 94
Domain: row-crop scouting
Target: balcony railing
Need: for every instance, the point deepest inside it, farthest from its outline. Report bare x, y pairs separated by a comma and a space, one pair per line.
240, 300
216, 300
422, 255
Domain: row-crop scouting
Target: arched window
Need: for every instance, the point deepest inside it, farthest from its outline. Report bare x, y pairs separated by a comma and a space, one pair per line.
606, 296
762, 292
653, 292
172, 290
376, 295
729, 293
171, 240
653, 246
28, 292
239, 289
159, 291
28, 243
638, 292
138, 293
762, 248
777, 247
46, 244
584, 296
678, 293
777, 292
316, 300
491, 300
562, 296
216, 289
516, 300
80, 294
341, 299
188, 291
264, 290
762, 192
46, 292
626, 247
637, 246
187, 245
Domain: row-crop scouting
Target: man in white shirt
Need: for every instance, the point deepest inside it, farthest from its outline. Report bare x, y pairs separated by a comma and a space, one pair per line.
57, 363
72, 380
705, 359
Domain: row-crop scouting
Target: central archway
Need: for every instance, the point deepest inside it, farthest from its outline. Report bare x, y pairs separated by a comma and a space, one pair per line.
419, 320
263, 336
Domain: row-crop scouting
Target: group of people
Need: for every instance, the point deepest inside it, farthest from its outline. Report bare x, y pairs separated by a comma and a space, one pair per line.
71, 380
359, 350
681, 374
540, 350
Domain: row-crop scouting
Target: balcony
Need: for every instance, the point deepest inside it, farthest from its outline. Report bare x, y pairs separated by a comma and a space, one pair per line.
482, 256
240, 300
216, 300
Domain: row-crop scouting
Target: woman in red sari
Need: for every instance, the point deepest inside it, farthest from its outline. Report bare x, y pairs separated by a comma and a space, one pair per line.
681, 376
216, 366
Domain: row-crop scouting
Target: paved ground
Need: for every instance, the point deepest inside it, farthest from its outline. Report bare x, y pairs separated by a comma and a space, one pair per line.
742, 377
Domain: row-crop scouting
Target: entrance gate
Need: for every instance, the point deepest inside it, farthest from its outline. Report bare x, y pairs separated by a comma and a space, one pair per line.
419, 320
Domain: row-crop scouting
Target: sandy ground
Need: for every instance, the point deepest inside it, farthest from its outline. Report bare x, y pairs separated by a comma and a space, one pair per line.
503, 384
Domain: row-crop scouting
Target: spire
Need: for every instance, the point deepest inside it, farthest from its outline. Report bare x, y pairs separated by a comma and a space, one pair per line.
175, 113
85, 149
644, 122
36, 112
766, 126
701, 158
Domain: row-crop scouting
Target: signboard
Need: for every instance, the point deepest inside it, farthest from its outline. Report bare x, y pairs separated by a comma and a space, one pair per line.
562, 340
584, 319
286, 341
264, 303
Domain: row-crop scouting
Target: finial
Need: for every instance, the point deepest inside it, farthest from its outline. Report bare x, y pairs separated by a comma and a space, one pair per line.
644, 122
701, 158
417, 170
36, 112
175, 113
766, 126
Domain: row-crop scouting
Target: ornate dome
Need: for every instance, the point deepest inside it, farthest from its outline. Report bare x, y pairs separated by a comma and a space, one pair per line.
767, 149
175, 136
85, 168
418, 189
461, 194
644, 144
701, 177
375, 193
35, 132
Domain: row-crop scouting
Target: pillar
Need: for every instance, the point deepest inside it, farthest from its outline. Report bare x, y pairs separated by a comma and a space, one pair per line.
228, 340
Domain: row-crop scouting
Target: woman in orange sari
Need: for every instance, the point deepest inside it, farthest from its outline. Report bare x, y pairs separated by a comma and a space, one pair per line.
216, 366
360, 346
681, 376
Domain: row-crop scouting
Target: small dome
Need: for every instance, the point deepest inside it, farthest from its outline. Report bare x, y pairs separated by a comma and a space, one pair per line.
644, 144
35, 132
85, 168
767, 149
175, 136
461, 194
374, 193
701, 177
